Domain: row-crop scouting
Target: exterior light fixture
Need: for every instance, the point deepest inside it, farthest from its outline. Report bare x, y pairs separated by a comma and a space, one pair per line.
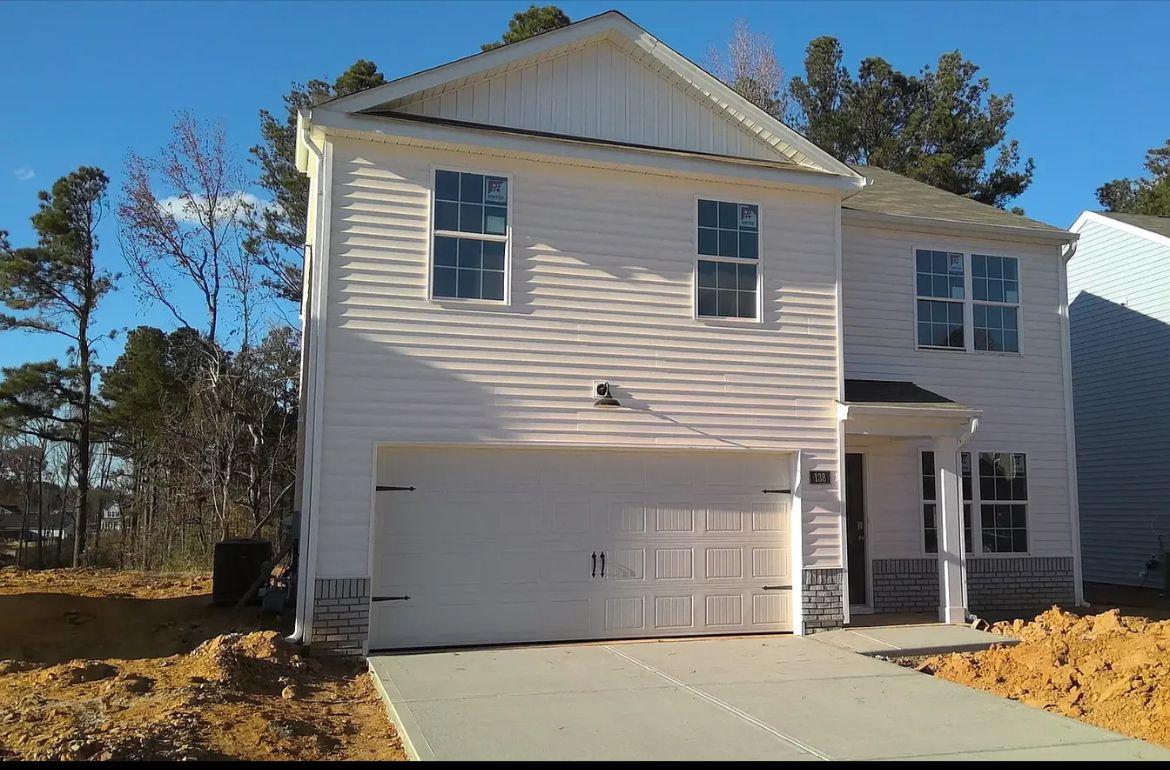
605, 399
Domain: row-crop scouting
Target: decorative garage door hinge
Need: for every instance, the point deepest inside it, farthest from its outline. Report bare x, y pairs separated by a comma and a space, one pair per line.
777, 491
776, 588
381, 488
390, 598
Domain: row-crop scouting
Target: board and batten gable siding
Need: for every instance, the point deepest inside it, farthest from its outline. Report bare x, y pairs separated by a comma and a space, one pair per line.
1022, 396
602, 288
598, 91
1119, 312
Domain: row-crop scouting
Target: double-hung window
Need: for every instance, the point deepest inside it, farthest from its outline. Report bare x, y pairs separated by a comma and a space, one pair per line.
940, 278
728, 276
995, 291
967, 301
1003, 502
1001, 495
470, 236
930, 503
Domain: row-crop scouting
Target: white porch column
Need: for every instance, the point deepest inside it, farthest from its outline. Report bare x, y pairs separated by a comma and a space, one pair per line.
952, 566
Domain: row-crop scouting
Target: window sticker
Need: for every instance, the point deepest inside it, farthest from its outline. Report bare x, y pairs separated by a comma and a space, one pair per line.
497, 190
747, 216
956, 265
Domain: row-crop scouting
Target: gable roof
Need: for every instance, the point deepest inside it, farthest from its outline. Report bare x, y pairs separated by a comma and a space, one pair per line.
1155, 224
899, 196
737, 115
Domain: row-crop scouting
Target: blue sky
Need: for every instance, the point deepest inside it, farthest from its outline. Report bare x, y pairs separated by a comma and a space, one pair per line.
87, 82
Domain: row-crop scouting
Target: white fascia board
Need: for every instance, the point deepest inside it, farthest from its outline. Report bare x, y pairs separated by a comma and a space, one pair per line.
589, 153
753, 118
951, 227
1125, 227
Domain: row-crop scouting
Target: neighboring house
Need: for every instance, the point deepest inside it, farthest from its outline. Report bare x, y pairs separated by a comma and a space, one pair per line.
1119, 305
814, 370
12, 523
110, 518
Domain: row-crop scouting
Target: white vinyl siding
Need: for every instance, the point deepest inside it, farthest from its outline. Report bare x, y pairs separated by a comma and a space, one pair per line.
1119, 310
1021, 396
598, 91
602, 288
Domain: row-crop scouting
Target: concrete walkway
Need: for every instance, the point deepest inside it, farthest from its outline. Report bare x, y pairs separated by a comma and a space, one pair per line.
911, 640
765, 698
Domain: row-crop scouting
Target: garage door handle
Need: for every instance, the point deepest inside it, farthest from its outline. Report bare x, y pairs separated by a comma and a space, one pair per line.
593, 572
603, 563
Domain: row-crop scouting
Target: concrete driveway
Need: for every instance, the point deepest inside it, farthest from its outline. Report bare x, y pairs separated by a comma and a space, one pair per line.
775, 697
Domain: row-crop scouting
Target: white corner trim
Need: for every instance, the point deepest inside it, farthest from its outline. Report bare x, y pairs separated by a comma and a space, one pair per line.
1074, 500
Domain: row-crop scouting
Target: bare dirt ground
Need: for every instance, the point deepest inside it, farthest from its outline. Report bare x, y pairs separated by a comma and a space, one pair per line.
1107, 669
104, 664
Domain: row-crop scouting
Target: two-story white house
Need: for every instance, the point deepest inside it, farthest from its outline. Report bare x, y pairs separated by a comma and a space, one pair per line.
595, 348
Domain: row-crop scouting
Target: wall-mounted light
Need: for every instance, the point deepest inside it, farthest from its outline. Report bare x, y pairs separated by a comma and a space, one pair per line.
605, 399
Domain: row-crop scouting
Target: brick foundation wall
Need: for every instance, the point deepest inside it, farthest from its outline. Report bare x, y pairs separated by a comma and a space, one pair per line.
905, 585
1019, 583
341, 616
823, 609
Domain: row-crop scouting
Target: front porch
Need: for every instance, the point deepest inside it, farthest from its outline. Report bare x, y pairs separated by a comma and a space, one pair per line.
909, 510
905, 554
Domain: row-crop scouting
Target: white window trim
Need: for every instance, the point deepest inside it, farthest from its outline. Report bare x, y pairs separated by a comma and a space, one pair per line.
506, 239
968, 301
976, 510
977, 513
758, 261
1018, 304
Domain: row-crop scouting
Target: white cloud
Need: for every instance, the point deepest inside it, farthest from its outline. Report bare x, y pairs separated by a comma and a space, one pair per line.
191, 209
24, 173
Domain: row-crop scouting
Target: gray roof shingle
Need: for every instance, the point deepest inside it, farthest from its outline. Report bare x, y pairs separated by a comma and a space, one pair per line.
1158, 225
891, 193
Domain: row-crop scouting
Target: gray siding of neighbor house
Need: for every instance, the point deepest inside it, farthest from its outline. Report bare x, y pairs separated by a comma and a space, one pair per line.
1119, 310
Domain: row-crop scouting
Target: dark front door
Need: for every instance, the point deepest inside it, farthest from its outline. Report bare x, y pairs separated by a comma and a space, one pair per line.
855, 526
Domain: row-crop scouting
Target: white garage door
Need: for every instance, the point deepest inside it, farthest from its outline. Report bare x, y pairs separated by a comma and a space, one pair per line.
512, 545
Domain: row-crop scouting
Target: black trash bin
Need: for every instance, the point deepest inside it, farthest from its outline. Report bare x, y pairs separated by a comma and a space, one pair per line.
236, 566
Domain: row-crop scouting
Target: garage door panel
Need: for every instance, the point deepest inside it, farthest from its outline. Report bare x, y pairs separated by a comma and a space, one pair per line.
674, 517
724, 563
688, 548
674, 563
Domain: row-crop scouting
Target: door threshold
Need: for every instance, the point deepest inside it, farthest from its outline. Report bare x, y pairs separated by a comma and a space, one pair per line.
860, 609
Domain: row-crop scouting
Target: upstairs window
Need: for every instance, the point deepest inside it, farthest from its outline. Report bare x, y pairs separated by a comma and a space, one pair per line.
995, 289
727, 273
470, 236
967, 301
941, 289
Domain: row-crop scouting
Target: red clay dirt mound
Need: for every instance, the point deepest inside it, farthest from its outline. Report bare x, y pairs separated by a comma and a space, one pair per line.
1108, 670
240, 695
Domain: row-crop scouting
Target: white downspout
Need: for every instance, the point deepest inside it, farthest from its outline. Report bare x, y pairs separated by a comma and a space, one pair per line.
1074, 499
305, 580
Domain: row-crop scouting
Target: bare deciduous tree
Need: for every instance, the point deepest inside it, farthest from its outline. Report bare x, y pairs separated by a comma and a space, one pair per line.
750, 66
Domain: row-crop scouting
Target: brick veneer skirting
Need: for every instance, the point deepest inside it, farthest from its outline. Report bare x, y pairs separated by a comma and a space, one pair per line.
905, 585
341, 616
823, 609
1019, 583
1009, 584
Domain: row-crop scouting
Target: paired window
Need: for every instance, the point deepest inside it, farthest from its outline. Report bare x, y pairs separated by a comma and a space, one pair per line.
727, 277
470, 234
1002, 500
944, 298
